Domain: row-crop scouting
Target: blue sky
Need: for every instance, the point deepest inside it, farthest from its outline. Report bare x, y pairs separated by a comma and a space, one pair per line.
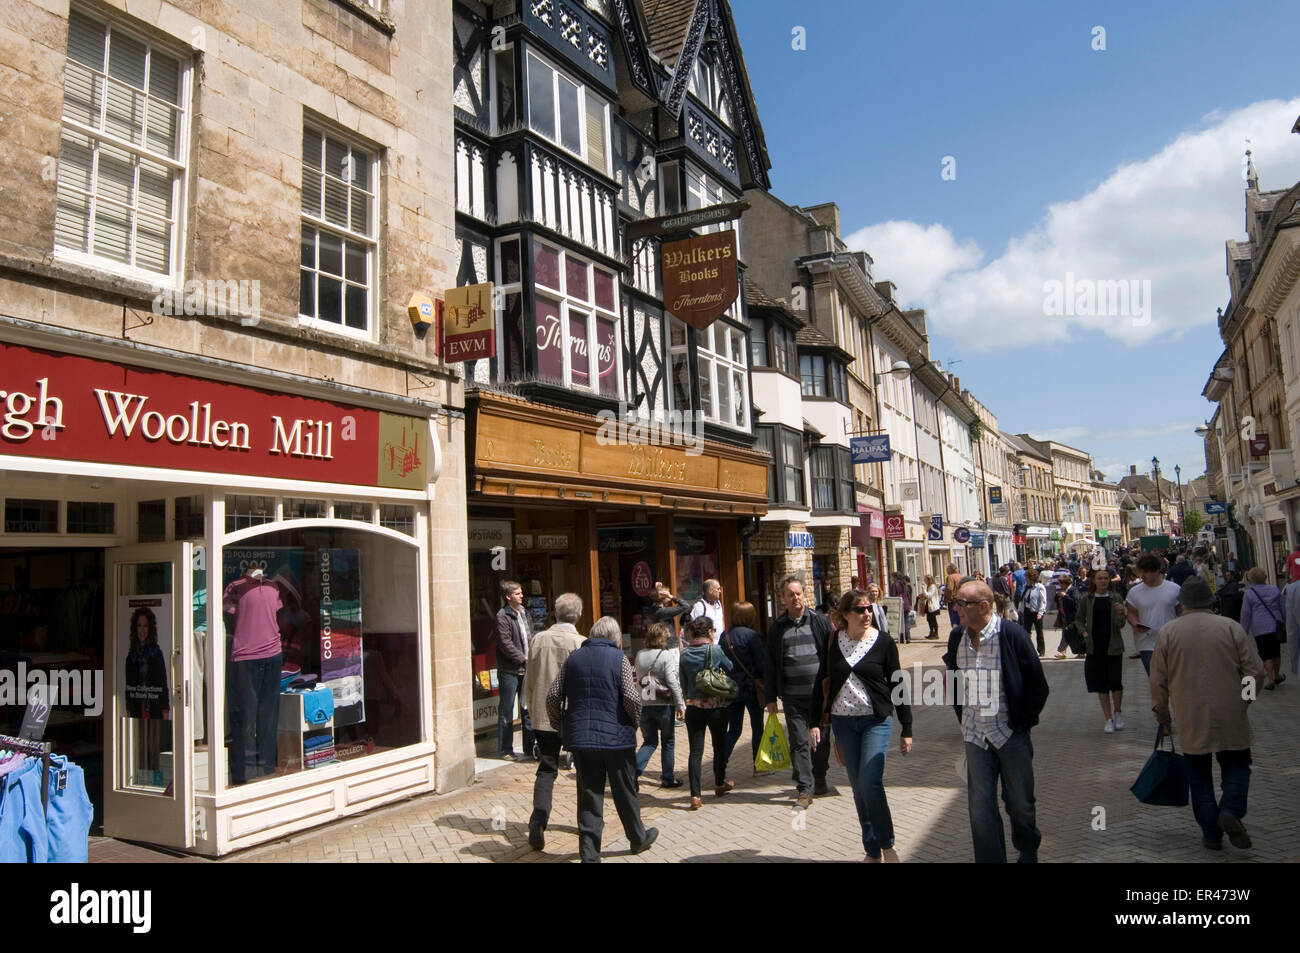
1071, 165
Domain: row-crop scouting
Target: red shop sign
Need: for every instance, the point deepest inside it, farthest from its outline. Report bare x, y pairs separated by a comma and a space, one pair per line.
58, 406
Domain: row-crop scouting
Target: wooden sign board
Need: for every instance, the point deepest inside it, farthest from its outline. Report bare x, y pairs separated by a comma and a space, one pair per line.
701, 279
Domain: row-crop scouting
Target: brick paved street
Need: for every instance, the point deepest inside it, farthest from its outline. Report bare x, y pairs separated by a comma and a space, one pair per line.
1078, 769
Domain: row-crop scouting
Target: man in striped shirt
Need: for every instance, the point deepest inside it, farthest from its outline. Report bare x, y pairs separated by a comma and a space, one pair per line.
995, 658
795, 644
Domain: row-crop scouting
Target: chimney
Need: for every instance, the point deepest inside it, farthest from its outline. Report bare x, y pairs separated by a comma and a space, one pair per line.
1132, 470
956, 383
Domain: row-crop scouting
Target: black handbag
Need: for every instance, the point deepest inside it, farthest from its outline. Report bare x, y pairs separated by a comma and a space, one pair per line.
1074, 638
1164, 779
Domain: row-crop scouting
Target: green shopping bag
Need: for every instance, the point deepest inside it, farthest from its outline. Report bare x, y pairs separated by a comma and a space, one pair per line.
773, 752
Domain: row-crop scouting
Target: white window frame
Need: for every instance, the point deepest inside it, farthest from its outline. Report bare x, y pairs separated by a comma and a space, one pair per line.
583, 92
568, 305
717, 360
702, 191
173, 277
371, 241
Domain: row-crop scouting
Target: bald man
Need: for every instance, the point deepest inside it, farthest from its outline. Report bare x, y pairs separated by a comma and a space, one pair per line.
999, 664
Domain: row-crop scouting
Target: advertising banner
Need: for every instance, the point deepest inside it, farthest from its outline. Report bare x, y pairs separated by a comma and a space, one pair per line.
144, 651
338, 574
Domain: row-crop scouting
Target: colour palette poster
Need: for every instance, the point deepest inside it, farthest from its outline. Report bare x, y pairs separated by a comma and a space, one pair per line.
338, 580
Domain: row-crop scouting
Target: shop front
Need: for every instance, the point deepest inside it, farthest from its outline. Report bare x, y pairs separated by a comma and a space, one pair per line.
557, 507
869, 541
245, 566
1038, 541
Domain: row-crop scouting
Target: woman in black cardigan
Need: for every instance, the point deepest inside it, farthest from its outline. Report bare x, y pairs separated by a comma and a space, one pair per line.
856, 675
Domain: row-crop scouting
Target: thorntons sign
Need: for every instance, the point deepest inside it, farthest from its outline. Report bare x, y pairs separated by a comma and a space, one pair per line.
701, 279
74, 408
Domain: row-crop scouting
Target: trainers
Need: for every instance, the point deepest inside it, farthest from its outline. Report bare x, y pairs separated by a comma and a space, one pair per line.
1235, 830
670, 783
1119, 721
1110, 726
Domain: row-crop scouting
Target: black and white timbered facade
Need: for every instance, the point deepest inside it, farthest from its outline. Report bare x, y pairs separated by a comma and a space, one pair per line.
574, 119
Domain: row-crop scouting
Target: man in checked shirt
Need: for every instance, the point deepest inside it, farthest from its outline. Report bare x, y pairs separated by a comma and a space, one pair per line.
996, 659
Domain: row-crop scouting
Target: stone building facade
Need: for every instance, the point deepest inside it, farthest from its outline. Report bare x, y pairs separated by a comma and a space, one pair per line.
214, 216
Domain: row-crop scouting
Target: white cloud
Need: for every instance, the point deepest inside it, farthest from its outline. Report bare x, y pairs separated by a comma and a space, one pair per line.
1161, 220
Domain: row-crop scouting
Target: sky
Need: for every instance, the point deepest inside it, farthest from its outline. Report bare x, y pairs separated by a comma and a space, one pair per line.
1007, 173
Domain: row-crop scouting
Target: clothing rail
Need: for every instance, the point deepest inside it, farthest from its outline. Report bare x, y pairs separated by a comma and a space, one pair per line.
36, 749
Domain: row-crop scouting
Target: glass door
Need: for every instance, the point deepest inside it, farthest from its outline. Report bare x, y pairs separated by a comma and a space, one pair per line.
148, 787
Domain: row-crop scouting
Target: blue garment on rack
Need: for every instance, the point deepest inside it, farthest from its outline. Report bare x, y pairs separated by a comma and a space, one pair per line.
68, 814
23, 839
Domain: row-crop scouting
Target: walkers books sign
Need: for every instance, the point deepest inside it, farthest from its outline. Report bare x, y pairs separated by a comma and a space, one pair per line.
701, 279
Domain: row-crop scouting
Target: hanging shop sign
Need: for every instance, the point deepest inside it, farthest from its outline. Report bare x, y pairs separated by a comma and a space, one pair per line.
468, 331
701, 279
936, 527
685, 221
895, 528
1260, 445
909, 490
977, 539
995, 494
1214, 508
961, 535
872, 449
65, 407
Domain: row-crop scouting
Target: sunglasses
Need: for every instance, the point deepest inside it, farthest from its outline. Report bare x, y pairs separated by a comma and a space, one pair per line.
860, 609
966, 603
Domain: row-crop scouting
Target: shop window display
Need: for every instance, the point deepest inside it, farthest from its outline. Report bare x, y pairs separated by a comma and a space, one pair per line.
322, 651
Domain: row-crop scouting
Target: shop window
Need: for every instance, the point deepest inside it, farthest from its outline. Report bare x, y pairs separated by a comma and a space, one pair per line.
398, 517
344, 620
151, 521
90, 517
31, 516
577, 327
245, 511
296, 509
190, 517
361, 512
338, 233
121, 170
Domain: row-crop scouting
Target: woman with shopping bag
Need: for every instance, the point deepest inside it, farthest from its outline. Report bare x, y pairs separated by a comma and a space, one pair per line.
856, 675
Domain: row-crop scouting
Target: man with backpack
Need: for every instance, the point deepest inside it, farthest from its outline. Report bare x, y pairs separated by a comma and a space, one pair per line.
710, 606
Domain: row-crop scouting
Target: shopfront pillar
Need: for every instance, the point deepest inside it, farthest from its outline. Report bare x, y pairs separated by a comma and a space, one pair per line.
665, 551
586, 556
731, 567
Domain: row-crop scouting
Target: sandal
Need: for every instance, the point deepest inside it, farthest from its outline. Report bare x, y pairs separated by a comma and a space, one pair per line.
1060, 655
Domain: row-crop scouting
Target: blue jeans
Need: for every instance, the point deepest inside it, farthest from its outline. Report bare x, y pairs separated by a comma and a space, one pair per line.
253, 705
864, 742
1014, 762
736, 724
510, 685
657, 723
1234, 769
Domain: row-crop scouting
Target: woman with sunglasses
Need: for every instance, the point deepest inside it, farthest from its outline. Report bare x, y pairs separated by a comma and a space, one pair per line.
856, 675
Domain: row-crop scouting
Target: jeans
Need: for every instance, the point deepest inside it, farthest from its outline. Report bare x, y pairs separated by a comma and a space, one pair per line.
1014, 761
1234, 771
511, 685
952, 617
809, 766
548, 768
864, 742
933, 619
714, 721
736, 724
253, 704
658, 725
593, 768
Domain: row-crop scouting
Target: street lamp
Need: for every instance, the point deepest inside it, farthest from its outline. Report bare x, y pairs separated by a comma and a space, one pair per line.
1178, 475
1155, 469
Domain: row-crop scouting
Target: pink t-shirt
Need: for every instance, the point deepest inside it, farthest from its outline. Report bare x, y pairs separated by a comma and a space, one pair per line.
255, 603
